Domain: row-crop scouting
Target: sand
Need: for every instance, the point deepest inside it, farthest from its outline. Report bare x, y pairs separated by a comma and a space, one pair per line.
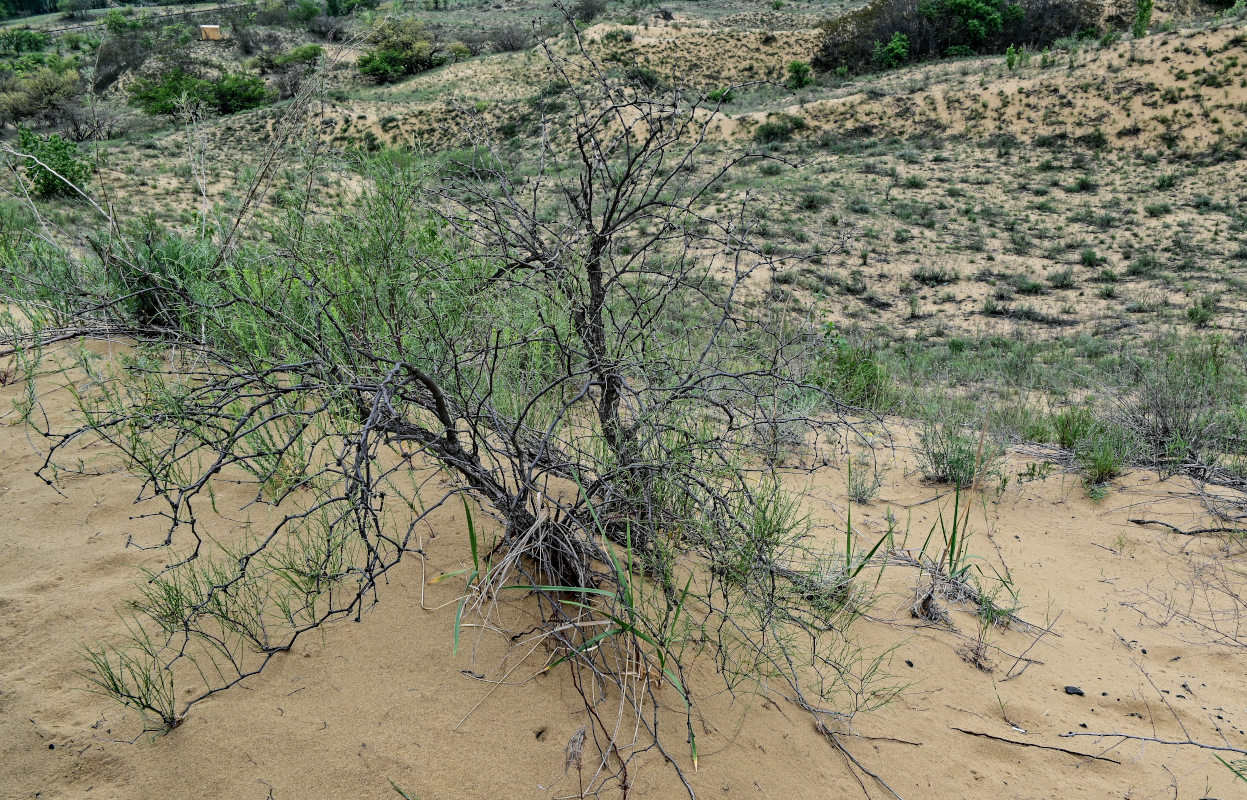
363, 704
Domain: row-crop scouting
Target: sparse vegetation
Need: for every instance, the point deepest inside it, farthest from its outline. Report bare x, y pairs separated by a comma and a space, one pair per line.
637, 345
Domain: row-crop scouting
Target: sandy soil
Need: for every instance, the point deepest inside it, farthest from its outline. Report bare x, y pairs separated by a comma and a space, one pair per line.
383, 700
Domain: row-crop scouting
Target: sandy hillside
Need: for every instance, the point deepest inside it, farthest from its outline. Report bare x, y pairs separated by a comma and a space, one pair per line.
364, 704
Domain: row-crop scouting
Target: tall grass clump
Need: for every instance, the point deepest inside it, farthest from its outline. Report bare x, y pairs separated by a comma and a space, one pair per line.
950, 453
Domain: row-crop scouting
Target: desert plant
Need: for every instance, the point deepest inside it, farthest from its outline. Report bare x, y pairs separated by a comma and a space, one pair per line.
1072, 425
1178, 407
799, 75
1201, 312
852, 373
587, 10
951, 27
934, 276
949, 453
864, 478
472, 329
1102, 453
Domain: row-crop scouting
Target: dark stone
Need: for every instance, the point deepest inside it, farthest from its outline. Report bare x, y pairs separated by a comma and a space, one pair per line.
1074, 690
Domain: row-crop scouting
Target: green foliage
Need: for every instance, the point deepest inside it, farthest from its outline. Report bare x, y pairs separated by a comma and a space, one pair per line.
168, 94
303, 54
723, 96
949, 27
645, 76
975, 19
799, 75
399, 48
853, 374
929, 275
1011, 57
778, 128
892, 54
304, 11
1201, 312
237, 92
587, 10
37, 92
14, 41
59, 166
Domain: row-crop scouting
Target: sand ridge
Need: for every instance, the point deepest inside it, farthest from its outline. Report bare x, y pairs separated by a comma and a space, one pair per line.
361, 705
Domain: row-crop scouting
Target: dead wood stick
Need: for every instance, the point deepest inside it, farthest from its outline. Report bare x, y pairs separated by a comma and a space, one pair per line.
1175, 742
1193, 532
1040, 746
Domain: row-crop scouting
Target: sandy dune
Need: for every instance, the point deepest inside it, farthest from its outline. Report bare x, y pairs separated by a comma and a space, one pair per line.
383, 700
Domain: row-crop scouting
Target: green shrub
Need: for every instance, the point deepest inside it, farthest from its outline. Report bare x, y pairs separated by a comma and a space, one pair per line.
892, 54
21, 40
853, 374
1203, 309
400, 48
42, 91
799, 75
934, 276
1142, 18
952, 27
972, 19
228, 95
303, 54
304, 11
778, 128
646, 77
383, 66
237, 92
59, 166
1061, 278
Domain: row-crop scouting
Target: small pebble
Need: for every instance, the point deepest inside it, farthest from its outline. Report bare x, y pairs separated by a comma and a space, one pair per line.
1074, 690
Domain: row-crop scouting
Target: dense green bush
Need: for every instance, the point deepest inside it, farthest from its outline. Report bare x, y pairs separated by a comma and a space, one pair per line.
237, 92
971, 20
949, 453
59, 166
778, 128
228, 95
799, 75
853, 374
400, 48
1142, 18
892, 54
21, 40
